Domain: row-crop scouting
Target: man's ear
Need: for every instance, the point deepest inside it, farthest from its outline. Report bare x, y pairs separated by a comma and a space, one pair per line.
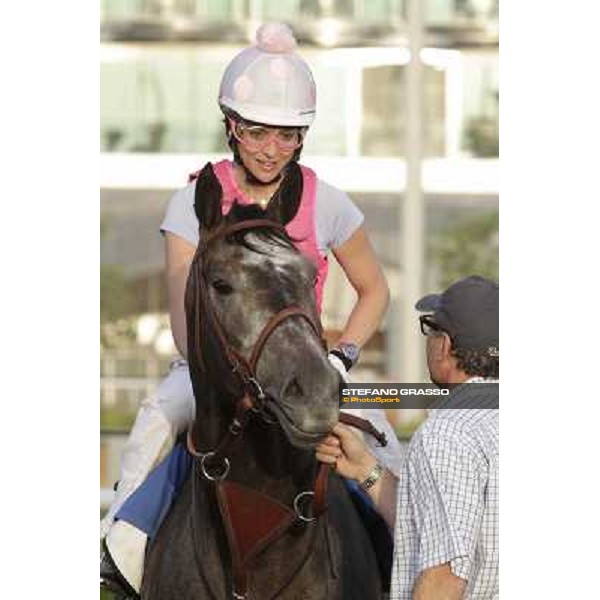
441, 348
445, 346
207, 199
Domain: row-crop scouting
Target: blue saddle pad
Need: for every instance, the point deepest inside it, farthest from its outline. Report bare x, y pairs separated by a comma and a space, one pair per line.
149, 504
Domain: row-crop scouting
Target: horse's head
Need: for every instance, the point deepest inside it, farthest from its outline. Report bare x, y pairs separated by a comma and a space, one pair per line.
245, 277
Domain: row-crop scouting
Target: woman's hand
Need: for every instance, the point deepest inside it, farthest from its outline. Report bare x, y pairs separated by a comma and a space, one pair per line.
347, 453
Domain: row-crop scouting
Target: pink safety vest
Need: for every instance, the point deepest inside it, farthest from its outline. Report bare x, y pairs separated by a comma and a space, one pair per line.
302, 227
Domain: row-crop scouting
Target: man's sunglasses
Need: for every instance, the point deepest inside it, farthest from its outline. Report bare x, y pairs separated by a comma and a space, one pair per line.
430, 327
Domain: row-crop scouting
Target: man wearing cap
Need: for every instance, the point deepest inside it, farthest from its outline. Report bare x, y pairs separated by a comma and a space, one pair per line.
444, 504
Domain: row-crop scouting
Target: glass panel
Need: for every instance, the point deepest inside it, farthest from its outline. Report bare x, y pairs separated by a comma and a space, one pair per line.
384, 115
166, 103
131, 9
216, 8
380, 10
438, 12
480, 105
119, 9
455, 12
371, 10
285, 10
326, 8
327, 136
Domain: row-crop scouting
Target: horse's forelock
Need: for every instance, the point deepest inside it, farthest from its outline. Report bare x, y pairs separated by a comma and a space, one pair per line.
245, 212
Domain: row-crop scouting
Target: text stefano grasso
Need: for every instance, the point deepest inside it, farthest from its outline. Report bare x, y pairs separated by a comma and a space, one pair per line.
395, 392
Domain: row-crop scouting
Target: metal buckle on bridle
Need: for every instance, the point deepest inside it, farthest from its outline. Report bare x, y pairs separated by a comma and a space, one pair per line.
258, 391
206, 474
235, 427
261, 398
255, 390
235, 366
297, 500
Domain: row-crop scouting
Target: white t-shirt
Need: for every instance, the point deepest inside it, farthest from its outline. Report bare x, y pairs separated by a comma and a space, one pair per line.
336, 216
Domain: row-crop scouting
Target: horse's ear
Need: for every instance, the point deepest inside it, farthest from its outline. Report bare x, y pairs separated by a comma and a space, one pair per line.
207, 198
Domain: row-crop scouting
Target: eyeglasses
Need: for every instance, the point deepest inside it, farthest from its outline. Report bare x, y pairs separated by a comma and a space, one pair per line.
430, 327
257, 137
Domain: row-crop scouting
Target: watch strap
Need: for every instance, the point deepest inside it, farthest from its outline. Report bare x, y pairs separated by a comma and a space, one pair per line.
347, 362
372, 477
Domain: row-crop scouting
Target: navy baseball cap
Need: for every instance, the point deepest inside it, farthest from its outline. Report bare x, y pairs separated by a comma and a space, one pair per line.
468, 312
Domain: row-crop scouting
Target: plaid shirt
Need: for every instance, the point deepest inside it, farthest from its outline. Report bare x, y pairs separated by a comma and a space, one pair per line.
447, 509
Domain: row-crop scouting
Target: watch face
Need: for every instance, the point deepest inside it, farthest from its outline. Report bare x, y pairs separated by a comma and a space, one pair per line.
351, 351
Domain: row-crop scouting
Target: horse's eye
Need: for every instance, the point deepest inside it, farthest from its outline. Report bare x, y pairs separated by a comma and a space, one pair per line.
222, 287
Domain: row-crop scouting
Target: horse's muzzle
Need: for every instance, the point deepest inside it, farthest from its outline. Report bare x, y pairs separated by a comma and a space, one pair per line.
304, 427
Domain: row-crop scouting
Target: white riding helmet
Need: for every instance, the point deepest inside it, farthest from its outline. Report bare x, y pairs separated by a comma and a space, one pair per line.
269, 83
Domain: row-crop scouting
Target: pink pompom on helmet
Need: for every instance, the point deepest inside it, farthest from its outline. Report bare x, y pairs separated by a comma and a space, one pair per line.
276, 37
269, 82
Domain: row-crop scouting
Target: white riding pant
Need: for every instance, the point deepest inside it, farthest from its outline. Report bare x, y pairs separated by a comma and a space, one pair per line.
170, 410
161, 417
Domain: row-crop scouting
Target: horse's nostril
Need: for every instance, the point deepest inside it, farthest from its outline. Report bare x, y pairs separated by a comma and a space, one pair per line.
294, 388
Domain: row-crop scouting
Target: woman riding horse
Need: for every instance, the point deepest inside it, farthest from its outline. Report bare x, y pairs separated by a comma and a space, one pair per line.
268, 98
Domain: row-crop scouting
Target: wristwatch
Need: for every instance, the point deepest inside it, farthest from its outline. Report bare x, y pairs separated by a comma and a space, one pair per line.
348, 353
372, 477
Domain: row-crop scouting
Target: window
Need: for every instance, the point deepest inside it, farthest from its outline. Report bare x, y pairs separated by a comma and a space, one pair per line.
134, 9
384, 112
166, 102
480, 105
457, 12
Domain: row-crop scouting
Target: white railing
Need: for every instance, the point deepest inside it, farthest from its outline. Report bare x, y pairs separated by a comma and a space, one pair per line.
440, 175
